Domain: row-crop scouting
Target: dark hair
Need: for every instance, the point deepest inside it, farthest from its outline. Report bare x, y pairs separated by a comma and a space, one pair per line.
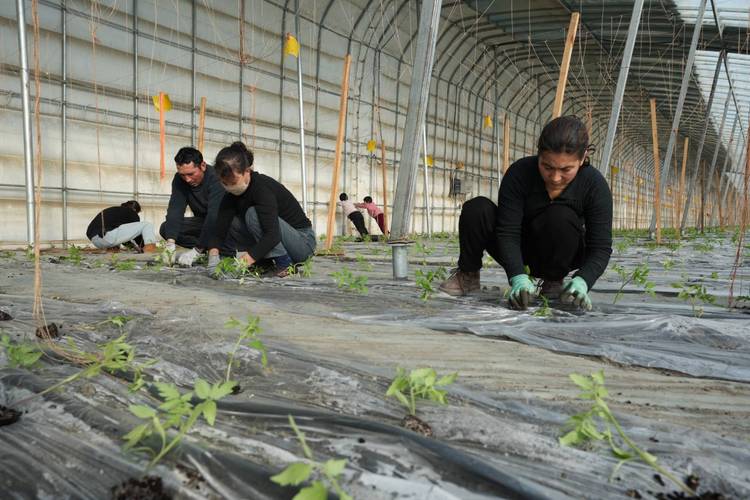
133, 205
235, 158
188, 155
566, 134
368, 199
343, 197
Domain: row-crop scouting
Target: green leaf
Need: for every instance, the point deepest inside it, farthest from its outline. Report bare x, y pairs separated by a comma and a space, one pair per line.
221, 390
403, 399
142, 411
571, 438
159, 428
209, 411
293, 475
202, 389
334, 467
581, 381
135, 435
167, 391
314, 492
598, 377
447, 379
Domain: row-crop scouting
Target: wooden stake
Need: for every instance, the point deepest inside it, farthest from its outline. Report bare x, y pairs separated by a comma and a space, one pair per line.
637, 200
506, 143
565, 66
162, 138
385, 183
337, 158
681, 201
657, 168
201, 124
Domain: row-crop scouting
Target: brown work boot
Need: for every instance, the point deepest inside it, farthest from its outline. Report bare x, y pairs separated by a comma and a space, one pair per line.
552, 288
460, 283
149, 248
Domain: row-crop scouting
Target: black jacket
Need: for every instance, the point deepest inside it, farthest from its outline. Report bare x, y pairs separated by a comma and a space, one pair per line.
203, 201
110, 218
523, 196
271, 201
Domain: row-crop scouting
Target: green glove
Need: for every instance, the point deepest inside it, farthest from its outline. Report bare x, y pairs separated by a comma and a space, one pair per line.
575, 292
521, 288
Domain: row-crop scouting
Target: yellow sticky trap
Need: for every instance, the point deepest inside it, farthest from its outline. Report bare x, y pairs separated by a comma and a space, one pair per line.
291, 46
430, 162
371, 145
167, 102
487, 121
460, 165
615, 170
627, 198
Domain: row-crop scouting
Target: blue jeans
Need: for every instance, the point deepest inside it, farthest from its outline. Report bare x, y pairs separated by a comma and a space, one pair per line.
299, 244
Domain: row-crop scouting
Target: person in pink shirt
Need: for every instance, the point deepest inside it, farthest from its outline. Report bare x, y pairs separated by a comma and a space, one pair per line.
374, 212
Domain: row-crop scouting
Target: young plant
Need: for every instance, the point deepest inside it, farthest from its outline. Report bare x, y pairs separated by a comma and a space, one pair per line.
704, 247
362, 263
667, 264
299, 472
694, 293
248, 332
424, 280
119, 321
597, 424
232, 267
303, 269
638, 276
544, 310
164, 256
21, 355
122, 265
421, 383
622, 245
176, 412
423, 250
74, 255
348, 281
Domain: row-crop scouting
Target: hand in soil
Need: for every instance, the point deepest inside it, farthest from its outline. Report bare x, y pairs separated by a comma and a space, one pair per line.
51, 329
416, 424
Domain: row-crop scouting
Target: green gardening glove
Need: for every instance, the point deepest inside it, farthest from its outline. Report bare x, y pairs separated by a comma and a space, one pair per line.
521, 289
575, 292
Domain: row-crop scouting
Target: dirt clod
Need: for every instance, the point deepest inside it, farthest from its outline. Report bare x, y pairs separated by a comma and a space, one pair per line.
417, 425
633, 494
658, 479
147, 488
236, 389
681, 495
8, 415
52, 331
693, 482
4, 316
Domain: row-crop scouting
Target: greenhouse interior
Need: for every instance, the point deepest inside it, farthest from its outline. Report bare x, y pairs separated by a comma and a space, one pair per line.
357, 249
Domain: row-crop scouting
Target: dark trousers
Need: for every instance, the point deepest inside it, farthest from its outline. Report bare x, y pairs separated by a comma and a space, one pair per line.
381, 222
359, 222
552, 244
190, 231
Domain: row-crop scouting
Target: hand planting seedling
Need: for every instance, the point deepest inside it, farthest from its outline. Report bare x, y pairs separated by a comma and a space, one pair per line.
176, 412
299, 472
424, 280
248, 332
597, 423
694, 293
348, 281
544, 310
421, 383
20, 355
638, 276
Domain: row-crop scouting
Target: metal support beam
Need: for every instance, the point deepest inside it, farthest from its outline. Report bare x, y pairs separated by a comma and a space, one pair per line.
301, 110
415, 117
28, 158
135, 99
427, 197
64, 122
622, 80
681, 99
192, 75
702, 142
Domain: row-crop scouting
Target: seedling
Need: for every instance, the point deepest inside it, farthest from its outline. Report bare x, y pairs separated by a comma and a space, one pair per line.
544, 310
74, 255
299, 472
423, 250
232, 267
348, 281
714, 275
704, 247
23, 355
424, 280
421, 383
8, 254
176, 412
597, 423
164, 256
362, 263
303, 269
694, 293
622, 245
638, 276
667, 264
248, 332
119, 321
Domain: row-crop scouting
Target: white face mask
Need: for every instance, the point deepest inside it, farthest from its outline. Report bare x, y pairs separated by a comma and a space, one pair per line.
238, 188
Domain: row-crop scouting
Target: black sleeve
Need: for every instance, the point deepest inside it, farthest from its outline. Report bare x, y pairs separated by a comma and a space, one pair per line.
268, 215
597, 212
224, 214
509, 220
175, 209
215, 195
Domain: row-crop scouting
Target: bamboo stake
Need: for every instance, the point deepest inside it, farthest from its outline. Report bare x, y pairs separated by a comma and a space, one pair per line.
657, 167
565, 66
385, 181
337, 158
201, 124
162, 138
506, 143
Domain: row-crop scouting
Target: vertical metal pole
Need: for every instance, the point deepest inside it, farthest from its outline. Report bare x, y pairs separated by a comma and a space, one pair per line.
427, 197
135, 99
681, 101
301, 110
27, 138
415, 116
622, 81
63, 122
192, 77
242, 66
701, 143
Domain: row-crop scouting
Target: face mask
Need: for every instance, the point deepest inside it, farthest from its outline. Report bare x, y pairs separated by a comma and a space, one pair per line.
237, 189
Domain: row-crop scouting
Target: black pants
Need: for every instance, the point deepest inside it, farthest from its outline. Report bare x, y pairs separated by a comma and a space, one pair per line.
359, 222
552, 244
190, 233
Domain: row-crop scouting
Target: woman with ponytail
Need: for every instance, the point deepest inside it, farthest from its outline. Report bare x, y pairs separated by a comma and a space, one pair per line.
272, 224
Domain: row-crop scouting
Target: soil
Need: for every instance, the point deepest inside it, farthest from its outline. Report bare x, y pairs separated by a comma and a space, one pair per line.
4, 316
236, 389
147, 488
52, 329
417, 425
8, 415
